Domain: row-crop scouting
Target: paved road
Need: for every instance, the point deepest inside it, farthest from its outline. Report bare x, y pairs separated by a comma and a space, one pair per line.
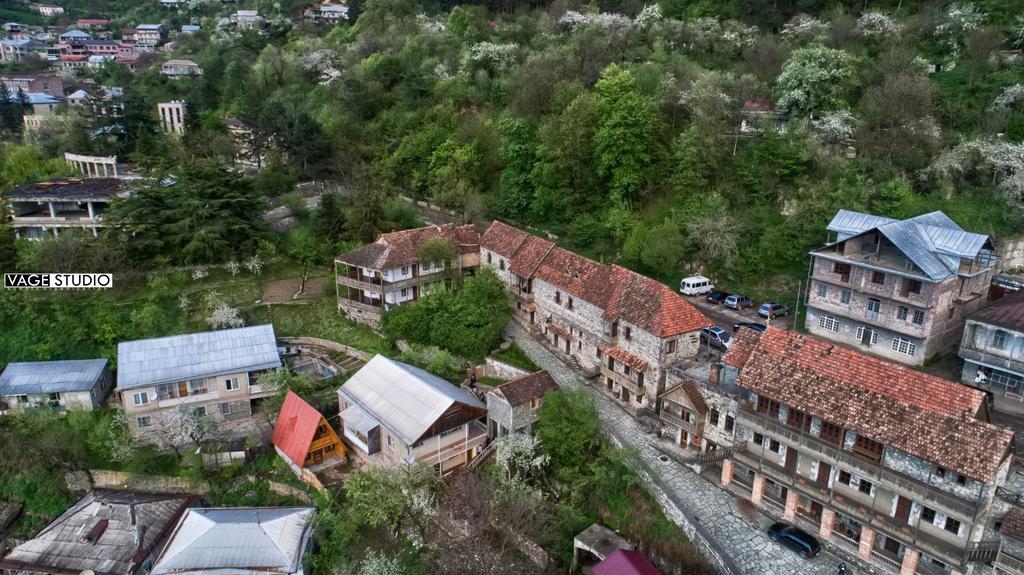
741, 541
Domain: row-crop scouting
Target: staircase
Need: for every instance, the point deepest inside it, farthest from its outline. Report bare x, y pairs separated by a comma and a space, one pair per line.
483, 456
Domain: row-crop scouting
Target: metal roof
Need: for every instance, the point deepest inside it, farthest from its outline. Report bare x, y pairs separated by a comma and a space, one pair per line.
76, 34
35, 98
240, 541
69, 189
147, 362
356, 418
849, 223
405, 399
34, 377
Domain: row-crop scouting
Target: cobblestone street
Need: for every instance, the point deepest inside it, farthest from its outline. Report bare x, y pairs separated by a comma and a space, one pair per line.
738, 539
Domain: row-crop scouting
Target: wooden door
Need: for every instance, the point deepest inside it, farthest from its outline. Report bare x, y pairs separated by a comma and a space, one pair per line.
567, 344
824, 470
182, 389
791, 458
903, 508
892, 545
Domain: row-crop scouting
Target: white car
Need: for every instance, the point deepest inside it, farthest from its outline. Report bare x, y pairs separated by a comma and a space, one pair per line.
695, 285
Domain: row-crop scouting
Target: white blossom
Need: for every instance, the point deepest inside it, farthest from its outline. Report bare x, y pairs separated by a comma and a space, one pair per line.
120, 441
730, 36
803, 28
835, 126
649, 16
184, 425
960, 20
198, 274
224, 316
377, 563
255, 265
1009, 96
233, 267
492, 54
877, 25
1017, 32
610, 22
430, 24
1003, 160
322, 63
517, 455
183, 302
442, 71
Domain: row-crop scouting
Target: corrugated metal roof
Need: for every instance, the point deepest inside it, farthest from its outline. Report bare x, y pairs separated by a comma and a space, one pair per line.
849, 223
240, 541
356, 418
405, 399
51, 376
181, 357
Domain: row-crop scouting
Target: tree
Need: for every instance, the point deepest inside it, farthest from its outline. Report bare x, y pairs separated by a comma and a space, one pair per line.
570, 434
515, 187
627, 138
10, 115
8, 245
897, 123
518, 456
391, 498
564, 171
455, 174
329, 218
814, 80
185, 425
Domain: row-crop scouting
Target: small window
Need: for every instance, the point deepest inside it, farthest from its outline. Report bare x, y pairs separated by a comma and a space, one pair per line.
597, 351
729, 423
845, 478
141, 398
405, 270
224, 408
489, 259
535, 404
391, 442
670, 346
822, 290
404, 292
501, 265
231, 384
953, 526
878, 278
999, 340
865, 487
568, 302
558, 297
901, 313
200, 411
713, 417
626, 369
904, 346
775, 447
758, 438
940, 472
918, 317
928, 515
145, 421
961, 480
627, 333
845, 298
913, 286
640, 380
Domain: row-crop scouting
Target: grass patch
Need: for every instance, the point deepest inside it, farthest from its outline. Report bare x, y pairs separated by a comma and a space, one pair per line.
43, 496
319, 319
515, 357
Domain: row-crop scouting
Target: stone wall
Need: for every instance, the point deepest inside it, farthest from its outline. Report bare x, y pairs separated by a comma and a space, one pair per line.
1011, 253
328, 344
502, 370
107, 479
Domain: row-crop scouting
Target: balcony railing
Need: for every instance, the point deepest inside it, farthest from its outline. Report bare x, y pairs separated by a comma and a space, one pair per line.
1009, 563
1000, 361
678, 422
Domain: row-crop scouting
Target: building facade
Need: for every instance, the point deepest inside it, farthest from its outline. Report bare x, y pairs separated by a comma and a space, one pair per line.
56, 386
607, 320
512, 407
180, 68
214, 373
52, 85
878, 460
55, 206
899, 289
390, 271
993, 347
172, 116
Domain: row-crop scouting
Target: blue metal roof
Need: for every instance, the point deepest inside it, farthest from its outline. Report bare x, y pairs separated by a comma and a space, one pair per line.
35, 377
148, 362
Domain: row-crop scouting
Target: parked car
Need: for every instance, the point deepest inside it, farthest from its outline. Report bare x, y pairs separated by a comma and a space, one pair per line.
759, 327
795, 539
716, 337
737, 301
695, 285
772, 310
717, 296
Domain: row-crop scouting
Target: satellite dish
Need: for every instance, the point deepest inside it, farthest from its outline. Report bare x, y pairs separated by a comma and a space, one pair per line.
87, 572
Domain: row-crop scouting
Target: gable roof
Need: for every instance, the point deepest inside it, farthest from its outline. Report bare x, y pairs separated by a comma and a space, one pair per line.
35, 377
146, 362
626, 562
1007, 312
902, 408
240, 540
99, 533
688, 389
295, 428
399, 248
405, 399
522, 390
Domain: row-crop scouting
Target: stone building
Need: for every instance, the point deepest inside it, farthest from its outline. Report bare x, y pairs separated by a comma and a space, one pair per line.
215, 373
389, 272
880, 461
993, 347
897, 288
699, 408
602, 318
512, 407
54, 206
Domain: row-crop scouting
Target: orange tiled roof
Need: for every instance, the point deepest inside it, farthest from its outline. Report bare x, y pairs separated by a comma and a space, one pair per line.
625, 357
902, 408
502, 238
531, 386
742, 344
399, 248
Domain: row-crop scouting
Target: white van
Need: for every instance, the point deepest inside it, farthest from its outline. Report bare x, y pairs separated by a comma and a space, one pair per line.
695, 285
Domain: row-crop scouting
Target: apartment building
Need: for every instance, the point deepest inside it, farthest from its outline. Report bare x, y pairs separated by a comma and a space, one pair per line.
880, 461
899, 289
248, 20
993, 347
390, 271
394, 414
605, 319
18, 50
148, 35
215, 372
63, 204
52, 85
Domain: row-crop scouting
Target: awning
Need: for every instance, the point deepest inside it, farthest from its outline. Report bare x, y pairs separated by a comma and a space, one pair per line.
357, 419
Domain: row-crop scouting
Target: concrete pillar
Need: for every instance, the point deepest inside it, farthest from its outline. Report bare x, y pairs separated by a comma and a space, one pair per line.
910, 558
95, 232
867, 541
88, 206
758, 490
727, 470
53, 212
828, 519
115, 168
792, 499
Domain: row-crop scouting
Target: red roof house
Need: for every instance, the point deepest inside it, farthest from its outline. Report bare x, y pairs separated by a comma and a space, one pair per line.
624, 562
302, 434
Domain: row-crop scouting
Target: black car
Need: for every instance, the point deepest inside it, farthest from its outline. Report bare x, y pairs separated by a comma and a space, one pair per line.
758, 327
717, 296
795, 539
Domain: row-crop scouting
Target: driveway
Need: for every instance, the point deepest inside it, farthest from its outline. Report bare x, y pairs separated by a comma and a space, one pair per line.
726, 317
714, 514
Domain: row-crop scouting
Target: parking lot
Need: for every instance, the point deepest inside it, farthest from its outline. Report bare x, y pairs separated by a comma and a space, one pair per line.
725, 317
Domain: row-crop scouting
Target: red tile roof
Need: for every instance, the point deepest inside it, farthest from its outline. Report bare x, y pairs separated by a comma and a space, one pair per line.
296, 426
522, 390
902, 408
624, 562
739, 350
530, 254
503, 239
399, 248
626, 358
1013, 524
651, 305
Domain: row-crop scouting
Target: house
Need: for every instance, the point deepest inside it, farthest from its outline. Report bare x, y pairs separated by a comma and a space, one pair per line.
40, 103
149, 35
105, 532
18, 50
881, 461
49, 10
374, 278
55, 385
303, 437
74, 35
756, 116
626, 562
215, 372
606, 319
248, 20
993, 347
593, 545
396, 414
897, 288
1010, 558
326, 13
91, 23
68, 63
51, 85
46, 208
240, 540
108, 100
512, 406
180, 68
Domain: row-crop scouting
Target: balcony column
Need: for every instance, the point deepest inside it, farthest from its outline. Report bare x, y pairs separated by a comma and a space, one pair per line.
828, 519
910, 558
867, 541
727, 470
757, 491
53, 212
88, 206
792, 499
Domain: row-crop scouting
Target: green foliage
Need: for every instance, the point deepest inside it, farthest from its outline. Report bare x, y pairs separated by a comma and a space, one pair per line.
320, 319
814, 80
627, 136
569, 431
515, 356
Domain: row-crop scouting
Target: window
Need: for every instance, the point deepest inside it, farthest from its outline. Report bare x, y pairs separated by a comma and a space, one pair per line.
872, 338
828, 322
729, 423
845, 298
197, 386
940, 472
405, 270
640, 380
598, 352
451, 431
904, 346
953, 526
145, 421
831, 433
868, 449
918, 317
758, 438
999, 340
822, 290
845, 478
501, 265
558, 297
901, 313
568, 303
224, 408
961, 480
627, 333
912, 286
874, 306
535, 404
713, 417
489, 259
774, 446
141, 398
200, 411
928, 515
865, 487
231, 384
404, 292
878, 278
389, 439
626, 369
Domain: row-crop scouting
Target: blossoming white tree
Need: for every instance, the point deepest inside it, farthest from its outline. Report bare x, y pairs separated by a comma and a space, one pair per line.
814, 79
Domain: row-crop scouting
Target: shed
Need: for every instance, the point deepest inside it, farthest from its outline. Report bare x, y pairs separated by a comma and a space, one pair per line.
302, 434
625, 562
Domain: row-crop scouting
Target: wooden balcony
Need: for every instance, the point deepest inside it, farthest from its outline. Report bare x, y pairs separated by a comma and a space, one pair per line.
477, 437
691, 426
